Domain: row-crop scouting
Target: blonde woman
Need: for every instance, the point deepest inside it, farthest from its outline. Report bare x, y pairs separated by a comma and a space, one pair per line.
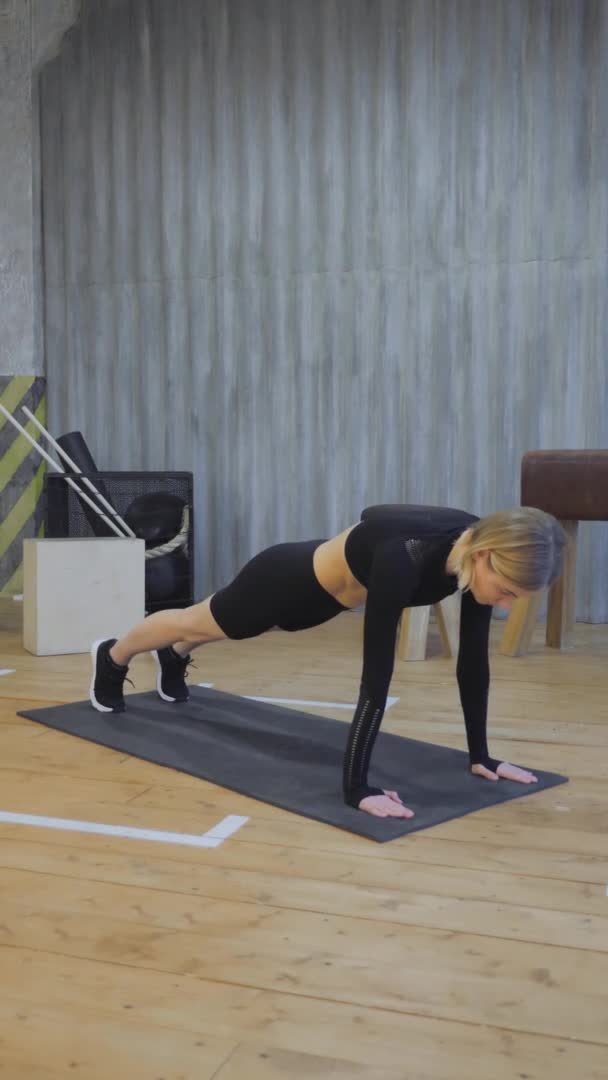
395, 557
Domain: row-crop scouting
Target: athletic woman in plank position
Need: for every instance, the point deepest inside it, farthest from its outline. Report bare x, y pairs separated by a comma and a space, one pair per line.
395, 557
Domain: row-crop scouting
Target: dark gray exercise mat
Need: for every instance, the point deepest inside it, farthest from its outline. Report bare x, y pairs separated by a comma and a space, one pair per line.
288, 759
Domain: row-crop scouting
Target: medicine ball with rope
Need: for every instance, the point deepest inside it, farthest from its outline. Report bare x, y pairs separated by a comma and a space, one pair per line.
162, 519
156, 517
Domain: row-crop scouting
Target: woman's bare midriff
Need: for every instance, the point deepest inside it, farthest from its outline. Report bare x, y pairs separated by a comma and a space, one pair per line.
333, 573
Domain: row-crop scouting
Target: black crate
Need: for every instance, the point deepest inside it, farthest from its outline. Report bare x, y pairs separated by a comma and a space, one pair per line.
169, 578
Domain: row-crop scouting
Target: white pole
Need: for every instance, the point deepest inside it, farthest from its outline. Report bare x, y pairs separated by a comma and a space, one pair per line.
85, 480
9, 416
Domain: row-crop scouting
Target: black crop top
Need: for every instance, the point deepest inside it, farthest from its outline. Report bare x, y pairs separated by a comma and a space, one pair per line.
399, 554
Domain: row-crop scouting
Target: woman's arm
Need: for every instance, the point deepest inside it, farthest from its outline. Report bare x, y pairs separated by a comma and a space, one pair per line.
391, 584
473, 674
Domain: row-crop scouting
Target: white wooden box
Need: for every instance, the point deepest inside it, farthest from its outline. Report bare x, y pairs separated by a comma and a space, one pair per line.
78, 590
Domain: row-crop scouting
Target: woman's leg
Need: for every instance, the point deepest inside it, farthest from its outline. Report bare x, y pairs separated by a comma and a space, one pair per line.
158, 634
182, 628
278, 587
247, 607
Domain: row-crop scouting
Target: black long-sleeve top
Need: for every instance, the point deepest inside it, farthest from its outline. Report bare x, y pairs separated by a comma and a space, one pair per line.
399, 554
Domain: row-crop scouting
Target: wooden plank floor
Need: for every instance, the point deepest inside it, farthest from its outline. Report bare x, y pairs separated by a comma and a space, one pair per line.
472, 950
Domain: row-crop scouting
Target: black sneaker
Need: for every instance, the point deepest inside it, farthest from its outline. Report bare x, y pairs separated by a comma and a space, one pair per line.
108, 679
171, 679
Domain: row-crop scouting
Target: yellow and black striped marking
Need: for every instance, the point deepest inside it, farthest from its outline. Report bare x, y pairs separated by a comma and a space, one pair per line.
22, 473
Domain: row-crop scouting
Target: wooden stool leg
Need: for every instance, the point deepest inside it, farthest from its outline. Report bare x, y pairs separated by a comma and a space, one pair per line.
520, 626
447, 614
561, 612
413, 630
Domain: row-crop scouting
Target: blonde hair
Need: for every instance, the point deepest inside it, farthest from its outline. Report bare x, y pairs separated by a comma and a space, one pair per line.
525, 546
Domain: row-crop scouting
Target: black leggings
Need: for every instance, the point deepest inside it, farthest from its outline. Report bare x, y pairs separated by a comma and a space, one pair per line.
278, 587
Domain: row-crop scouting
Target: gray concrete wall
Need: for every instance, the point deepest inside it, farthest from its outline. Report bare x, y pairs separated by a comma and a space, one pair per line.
329, 253
16, 273
30, 31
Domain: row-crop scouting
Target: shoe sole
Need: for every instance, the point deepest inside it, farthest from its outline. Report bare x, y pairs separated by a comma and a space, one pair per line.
94, 702
159, 690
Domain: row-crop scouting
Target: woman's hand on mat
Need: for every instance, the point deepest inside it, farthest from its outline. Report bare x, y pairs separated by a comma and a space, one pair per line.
387, 805
505, 771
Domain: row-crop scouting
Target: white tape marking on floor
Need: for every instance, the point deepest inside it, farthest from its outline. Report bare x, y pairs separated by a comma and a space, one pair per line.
226, 827
318, 704
7, 671
211, 839
299, 701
